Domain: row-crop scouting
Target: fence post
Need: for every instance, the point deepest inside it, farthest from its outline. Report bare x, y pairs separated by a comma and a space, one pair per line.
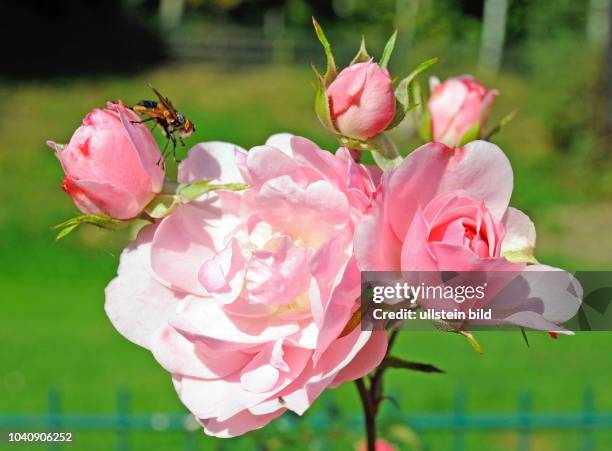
459, 410
524, 419
588, 409
55, 414
123, 421
190, 442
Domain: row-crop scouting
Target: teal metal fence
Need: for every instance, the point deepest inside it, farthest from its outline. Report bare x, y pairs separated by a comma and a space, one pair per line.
458, 421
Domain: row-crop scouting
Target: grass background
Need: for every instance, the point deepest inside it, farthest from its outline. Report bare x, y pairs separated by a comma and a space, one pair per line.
54, 332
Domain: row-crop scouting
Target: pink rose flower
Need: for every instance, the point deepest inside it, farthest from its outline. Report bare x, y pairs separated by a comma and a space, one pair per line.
361, 100
381, 445
446, 209
246, 297
112, 167
458, 105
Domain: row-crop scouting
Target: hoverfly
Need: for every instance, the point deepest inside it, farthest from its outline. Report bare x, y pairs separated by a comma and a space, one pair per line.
166, 117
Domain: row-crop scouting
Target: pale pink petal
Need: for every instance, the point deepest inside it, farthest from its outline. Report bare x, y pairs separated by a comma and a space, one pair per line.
347, 88
214, 160
278, 275
416, 253
190, 357
184, 240
239, 424
487, 105
224, 398
207, 319
480, 169
377, 247
520, 233
281, 141
223, 275
368, 358
136, 303
445, 103
326, 165
99, 198
293, 210
144, 145
267, 163
339, 310
302, 392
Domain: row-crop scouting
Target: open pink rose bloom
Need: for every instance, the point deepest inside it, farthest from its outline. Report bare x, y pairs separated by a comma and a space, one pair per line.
446, 209
245, 296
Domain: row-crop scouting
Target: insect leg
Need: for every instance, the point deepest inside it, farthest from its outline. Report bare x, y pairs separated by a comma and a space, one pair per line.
162, 157
174, 148
143, 121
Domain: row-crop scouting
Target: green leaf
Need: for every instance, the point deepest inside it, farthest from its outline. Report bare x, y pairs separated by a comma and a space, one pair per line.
102, 221
388, 50
191, 191
331, 71
396, 362
501, 124
471, 134
362, 55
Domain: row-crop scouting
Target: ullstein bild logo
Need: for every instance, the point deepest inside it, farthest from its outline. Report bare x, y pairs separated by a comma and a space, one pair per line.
551, 300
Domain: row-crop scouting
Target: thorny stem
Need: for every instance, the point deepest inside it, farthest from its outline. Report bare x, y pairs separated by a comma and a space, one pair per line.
368, 414
372, 396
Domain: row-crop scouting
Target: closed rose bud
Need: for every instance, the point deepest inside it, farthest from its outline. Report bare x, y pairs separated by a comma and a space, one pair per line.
459, 109
361, 99
112, 166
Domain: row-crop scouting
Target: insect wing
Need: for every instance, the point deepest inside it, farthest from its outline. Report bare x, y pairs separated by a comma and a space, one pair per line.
165, 102
151, 112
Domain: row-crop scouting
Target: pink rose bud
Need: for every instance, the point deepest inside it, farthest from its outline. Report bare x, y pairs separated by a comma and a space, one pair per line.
361, 100
381, 445
113, 166
459, 109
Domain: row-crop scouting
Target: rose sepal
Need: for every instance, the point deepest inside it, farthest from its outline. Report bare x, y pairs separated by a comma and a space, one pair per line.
407, 92
102, 221
501, 124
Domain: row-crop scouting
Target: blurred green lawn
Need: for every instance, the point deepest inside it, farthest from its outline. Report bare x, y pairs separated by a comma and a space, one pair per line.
54, 332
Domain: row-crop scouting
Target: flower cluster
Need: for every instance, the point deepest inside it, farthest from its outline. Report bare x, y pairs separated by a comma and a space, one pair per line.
245, 285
